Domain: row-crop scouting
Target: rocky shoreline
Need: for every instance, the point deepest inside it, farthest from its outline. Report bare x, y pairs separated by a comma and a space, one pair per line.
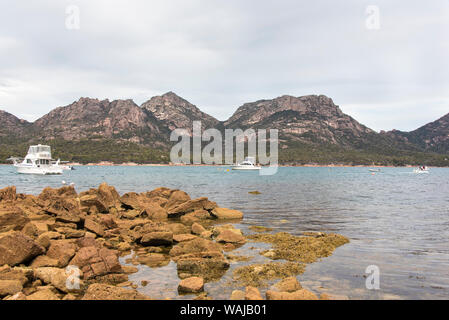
64, 245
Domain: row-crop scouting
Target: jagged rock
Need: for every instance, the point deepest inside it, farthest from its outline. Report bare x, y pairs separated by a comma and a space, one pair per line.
92, 200
229, 236
71, 233
9, 287
197, 228
45, 294
17, 296
95, 261
225, 213
194, 246
108, 222
177, 228
301, 294
176, 198
62, 251
21, 275
190, 206
95, 227
44, 261
30, 230
108, 195
252, 293
154, 211
99, 291
183, 237
161, 238
191, 285
12, 218
16, 248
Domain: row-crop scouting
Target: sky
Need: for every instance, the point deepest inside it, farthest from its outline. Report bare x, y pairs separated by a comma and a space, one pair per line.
385, 63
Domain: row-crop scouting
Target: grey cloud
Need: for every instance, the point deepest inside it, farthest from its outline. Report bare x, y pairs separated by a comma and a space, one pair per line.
221, 54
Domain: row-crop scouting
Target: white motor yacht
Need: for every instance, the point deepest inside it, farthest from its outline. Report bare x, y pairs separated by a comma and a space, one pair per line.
422, 169
248, 164
37, 161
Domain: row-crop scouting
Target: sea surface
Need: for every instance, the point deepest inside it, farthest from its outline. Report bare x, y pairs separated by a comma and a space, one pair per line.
395, 220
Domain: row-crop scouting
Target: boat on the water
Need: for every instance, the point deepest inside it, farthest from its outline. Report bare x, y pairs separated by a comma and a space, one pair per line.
37, 161
374, 170
421, 169
248, 164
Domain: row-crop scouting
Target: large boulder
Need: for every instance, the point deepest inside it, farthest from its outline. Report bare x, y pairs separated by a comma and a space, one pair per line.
12, 218
23, 275
91, 225
158, 238
195, 246
49, 194
191, 285
94, 261
108, 195
154, 211
44, 294
9, 287
202, 203
176, 198
230, 236
94, 201
100, 291
100, 200
16, 248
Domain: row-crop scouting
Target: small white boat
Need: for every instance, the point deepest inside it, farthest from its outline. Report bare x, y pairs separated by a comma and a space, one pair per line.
422, 169
248, 164
37, 161
374, 170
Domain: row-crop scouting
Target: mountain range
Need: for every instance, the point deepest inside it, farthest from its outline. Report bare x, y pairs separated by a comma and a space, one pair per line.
312, 129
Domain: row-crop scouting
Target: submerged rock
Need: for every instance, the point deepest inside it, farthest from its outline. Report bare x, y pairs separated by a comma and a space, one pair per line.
256, 274
226, 214
306, 249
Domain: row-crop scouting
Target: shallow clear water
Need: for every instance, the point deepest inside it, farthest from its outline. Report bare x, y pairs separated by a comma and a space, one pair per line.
395, 219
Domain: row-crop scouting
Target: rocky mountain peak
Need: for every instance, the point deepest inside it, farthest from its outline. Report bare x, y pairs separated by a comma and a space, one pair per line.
10, 124
176, 112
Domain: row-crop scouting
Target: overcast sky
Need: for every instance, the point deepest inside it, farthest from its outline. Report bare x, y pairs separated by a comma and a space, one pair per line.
387, 73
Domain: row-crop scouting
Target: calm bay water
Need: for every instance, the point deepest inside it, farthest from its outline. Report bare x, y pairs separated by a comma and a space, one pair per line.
395, 219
